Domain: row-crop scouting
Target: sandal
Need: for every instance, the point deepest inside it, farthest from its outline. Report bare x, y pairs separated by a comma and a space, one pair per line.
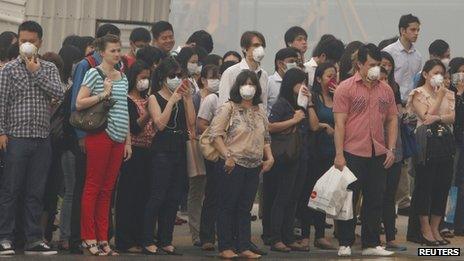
88, 249
173, 252
222, 255
111, 252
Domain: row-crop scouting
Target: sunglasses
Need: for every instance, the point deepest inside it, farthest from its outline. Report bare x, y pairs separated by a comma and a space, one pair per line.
178, 75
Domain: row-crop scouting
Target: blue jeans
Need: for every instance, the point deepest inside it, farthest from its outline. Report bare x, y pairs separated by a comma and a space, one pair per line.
238, 191
27, 162
68, 164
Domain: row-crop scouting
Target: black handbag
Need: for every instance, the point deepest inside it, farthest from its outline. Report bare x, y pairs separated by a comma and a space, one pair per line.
440, 142
93, 119
286, 147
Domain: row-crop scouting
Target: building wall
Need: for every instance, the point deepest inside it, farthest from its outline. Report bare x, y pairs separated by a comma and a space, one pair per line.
60, 18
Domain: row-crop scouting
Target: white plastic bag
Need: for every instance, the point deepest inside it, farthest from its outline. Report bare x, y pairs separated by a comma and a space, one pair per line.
329, 193
346, 211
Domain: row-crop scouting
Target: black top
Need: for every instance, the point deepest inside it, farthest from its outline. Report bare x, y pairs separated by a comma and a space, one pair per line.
459, 117
133, 117
175, 133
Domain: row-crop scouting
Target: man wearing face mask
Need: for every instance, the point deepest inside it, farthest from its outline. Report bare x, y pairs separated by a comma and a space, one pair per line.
285, 60
27, 85
138, 39
364, 110
252, 44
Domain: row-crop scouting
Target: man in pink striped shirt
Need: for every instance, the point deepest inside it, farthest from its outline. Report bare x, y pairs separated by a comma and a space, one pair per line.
364, 110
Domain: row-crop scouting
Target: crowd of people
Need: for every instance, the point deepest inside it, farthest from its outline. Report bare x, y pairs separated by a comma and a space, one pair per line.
263, 137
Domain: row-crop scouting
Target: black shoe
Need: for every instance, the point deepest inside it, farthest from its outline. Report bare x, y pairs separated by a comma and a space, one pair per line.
197, 244
328, 226
424, 241
458, 233
6, 249
404, 211
40, 249
256, 250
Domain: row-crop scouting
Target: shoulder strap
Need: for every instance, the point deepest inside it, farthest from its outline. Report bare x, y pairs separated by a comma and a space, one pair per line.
101, 73
91, 60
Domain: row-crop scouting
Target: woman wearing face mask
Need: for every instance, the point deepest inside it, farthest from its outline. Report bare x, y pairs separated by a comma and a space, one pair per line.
434, 106
281, 187
188, 59
133, 182
394, 172
171, 109
106, 149
240, 134
209, 85
207, 111
322, 122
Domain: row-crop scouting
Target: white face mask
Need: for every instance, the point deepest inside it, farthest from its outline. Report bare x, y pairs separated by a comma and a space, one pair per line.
192, 68
445, 62
247, 92
436, 81
142, 85
457, 78
258, 54
302, 100
213, 85
173, 83
291, 66
373, 73
27, 49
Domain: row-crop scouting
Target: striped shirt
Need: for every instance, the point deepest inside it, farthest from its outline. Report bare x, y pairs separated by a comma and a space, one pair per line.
118, 116
25, 98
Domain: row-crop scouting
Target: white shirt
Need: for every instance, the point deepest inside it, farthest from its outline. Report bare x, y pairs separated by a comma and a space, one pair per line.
208, 107
311, 70
228, 79
273, 90
407, 65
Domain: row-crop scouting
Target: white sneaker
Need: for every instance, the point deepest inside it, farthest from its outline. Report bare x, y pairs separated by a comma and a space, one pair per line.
344, 251
376, 251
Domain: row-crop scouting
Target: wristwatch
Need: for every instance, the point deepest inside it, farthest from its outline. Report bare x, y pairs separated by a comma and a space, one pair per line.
228, 155
392, 150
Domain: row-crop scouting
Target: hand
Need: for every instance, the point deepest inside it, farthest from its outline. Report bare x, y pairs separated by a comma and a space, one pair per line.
81, 144
229, 165
339, 162
328, 129
332, 87
298, 116
389, 160
305, 92
441, 90
176, 96
267, 165
460, 87
127, 152
429, 119
32, 64
3, 142
107, 87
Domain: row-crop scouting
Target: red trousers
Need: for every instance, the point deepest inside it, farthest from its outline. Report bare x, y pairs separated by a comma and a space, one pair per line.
104, 158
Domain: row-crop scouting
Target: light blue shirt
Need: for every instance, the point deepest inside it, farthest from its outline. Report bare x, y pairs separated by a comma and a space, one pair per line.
273, 88
407, 64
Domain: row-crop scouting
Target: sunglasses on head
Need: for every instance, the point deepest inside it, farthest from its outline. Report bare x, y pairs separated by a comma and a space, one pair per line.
174, 75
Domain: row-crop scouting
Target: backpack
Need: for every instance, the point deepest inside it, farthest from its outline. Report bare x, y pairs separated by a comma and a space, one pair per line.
61, 132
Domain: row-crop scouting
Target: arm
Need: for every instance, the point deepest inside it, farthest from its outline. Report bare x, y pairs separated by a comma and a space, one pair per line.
391, 126
190, 111
49, 82
84, 100
4, 84
276, 127
160, 118
136, 122
202, 124
339, 138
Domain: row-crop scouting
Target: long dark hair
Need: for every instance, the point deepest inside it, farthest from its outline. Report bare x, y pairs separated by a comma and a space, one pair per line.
291, 78
317, 86
138, 67
429, 66
70, 55
241, 79
167, 67
346, 63
184, 56
391, 76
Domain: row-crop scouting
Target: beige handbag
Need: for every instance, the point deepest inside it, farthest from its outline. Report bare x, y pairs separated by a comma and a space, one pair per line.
195, 160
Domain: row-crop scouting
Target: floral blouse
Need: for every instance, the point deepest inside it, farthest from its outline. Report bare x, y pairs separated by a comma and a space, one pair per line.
424, 97
245, 132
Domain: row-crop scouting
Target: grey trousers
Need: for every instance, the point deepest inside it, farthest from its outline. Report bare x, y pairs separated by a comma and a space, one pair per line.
194, 202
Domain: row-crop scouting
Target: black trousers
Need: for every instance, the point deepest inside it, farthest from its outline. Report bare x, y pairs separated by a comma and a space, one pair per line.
371, 181
168, 179
280, 201
210, 206
131, 198
238, 191
389, 211
432, 184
